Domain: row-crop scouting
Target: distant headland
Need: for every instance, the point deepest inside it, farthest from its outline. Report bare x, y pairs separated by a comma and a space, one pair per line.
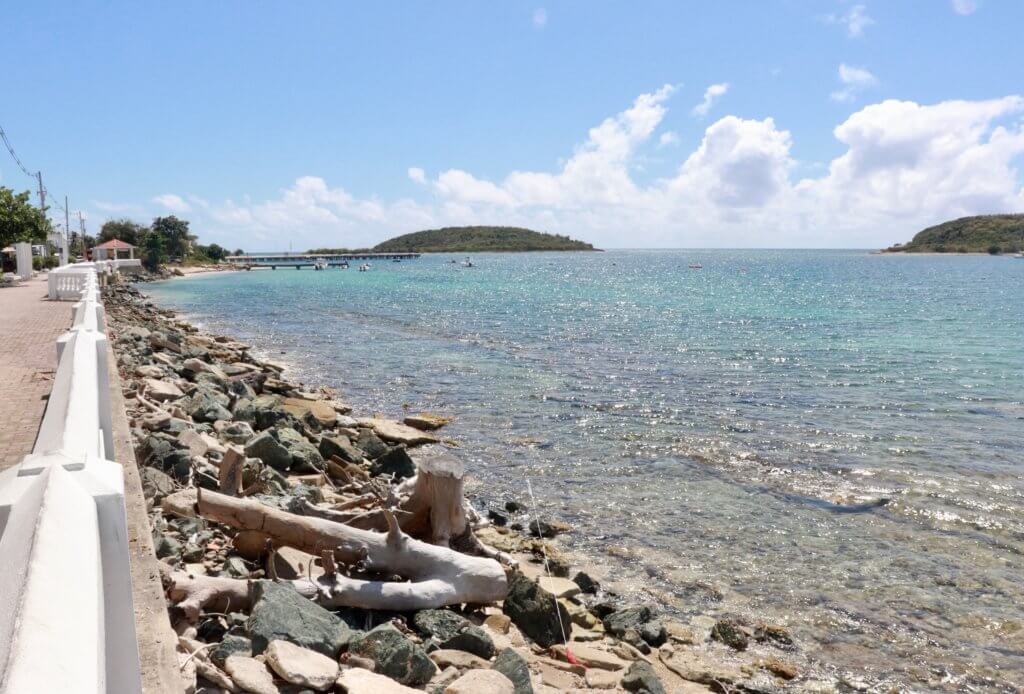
993, 233
475, 239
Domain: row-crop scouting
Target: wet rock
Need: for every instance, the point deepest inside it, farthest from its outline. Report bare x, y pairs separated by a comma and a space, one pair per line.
394, 462
396, 432
339, 446
279, 612
301, 666
775, 635
265, 447
394, 655
641, 677
548, 529
233, 644
497, 517
779, 668
370, 444
619, 621
586, 583
425, 421
516, 669
477, 681
514, 507
731, 633
535, 611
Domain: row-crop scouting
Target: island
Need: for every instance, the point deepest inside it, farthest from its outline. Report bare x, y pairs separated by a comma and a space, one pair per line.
993, 233
473, 239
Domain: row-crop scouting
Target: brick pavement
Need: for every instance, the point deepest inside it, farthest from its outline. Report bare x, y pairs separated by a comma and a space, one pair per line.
29, 328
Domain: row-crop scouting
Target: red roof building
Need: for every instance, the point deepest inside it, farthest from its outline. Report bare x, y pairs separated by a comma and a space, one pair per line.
113, 249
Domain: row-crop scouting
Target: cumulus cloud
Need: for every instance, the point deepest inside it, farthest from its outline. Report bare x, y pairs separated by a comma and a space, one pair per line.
964, 7
853, 79
540, 18
417, 174
668, 139
711, 95
856, 20
903, 165
174, 203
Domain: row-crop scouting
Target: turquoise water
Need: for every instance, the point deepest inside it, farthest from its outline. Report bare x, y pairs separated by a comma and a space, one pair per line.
703, 429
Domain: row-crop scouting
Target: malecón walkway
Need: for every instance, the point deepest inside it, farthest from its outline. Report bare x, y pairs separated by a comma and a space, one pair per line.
29, 328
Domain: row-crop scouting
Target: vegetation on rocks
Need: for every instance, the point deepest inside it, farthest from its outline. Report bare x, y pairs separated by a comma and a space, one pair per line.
993, 234
474, 239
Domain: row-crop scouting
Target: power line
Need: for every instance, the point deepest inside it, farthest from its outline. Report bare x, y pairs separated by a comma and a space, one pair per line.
43, 188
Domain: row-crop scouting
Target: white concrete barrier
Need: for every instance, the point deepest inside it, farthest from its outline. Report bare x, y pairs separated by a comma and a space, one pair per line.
68, 281
67, 621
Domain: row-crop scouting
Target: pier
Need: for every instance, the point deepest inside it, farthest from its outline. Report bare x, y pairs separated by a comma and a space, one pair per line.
300, 260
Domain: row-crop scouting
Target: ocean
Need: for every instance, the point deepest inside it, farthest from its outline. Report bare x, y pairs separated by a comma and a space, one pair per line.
721, 439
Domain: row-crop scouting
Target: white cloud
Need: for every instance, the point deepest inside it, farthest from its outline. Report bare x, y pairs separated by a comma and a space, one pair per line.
856, 20
711, 95
668, 139
854, 79
417, 174
964, 7
174, 203
540, 18
903, 166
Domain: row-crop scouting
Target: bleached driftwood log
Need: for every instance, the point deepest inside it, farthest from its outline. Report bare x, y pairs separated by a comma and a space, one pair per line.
438, 576
194, 594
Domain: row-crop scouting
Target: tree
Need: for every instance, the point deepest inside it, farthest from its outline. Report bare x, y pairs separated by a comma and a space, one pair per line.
19, 220
216, 253
238, 251
153, 251
122, 229
174, 234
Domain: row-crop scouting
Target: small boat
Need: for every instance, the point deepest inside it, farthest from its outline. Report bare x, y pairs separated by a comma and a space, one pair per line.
467, 262
696, 266
397, 260
320, 264
364, 267
344, 265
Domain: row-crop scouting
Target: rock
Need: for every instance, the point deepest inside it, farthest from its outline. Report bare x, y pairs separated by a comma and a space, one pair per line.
250, 675
265, 447
619, 621
394, 462
731, 633
321, 411
149, 371
359, 681
233, 644
514, 667
394, 655
514, 507
478, 681
237, 432
497, 517
444, 678
267, 411
198, 366
396, 432
235, 568
692, 665
779, 668
654, 633
207, 406
194, 442
426, 421
543, 528
775, 635
641, 677
339, 446
559, 587
301, 666
161, 391
370, 444
603, 679
251, 544
305, 456
449, 657
279, 612
590, 657
290, 563
535, 611
167, 547
155, 484
498, 622
586, 583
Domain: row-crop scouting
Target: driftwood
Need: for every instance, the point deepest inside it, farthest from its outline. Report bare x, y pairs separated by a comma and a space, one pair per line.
192, 595
437, 575
230, 477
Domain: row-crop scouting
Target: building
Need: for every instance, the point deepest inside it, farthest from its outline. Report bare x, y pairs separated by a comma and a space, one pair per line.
114, 249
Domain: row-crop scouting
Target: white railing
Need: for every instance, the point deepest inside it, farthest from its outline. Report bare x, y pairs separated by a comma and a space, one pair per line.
68, 281
66, 584
127, 264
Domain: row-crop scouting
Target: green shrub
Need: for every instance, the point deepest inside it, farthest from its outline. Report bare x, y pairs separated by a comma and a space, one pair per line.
994, 250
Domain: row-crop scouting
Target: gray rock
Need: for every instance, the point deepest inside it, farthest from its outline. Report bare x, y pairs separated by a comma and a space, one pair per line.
535, 611
244, 411
731, 633
166, 547
205, 406
394, 462
279, 612
268, 449
238, 432
339, 446
235, 567
448, 630
370, 444
514, 667
641, 677
654, 633
628, 618
394, 655
586, 583
304, 455
268, 411
233, 644
155, 484
240, 389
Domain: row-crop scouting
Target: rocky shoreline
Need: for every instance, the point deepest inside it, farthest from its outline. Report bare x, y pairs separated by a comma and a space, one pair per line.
245, 473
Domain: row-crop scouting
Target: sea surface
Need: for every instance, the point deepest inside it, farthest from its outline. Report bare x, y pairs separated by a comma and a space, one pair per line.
710, 432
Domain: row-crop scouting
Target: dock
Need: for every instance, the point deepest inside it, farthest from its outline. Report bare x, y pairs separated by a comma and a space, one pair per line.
301, 260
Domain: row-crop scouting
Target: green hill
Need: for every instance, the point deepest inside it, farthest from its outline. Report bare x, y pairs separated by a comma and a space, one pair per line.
478, 240
994, 233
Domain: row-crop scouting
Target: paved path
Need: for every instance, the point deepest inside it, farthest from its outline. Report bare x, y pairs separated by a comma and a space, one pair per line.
29, 328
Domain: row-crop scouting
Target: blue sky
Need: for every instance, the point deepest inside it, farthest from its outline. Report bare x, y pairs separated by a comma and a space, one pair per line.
831, 124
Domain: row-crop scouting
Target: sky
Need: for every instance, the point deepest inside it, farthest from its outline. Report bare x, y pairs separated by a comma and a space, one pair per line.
277, 125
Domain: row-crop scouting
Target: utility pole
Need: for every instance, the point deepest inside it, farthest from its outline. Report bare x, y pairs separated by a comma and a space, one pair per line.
67, 232
42, 192
81, 230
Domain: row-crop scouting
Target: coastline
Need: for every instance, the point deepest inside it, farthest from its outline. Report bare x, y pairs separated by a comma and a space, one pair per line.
683, 655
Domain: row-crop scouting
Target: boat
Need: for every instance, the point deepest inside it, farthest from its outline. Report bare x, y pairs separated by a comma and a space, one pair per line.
696, 266
467, 262
364, 267
397, 260
344, 265
320, 264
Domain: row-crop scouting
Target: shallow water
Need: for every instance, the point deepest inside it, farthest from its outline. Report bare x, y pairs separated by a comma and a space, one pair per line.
707, 430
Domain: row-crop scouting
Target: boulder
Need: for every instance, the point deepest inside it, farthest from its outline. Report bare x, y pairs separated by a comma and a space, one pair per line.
370, 444
396, 432
155, 484
301, 666
449, 657
267, 411
394, 462
641, 677
162, 391
478, 681
236, 432
450, 631
394, 655
207, 406
586, 583
425, 421
559, 587
233, 644
360, 681
149, 371
535, 611
619, 621
731, 633
250, 675
279, 612
304, 455
339, 446
515, 668
320, 412
268, 449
